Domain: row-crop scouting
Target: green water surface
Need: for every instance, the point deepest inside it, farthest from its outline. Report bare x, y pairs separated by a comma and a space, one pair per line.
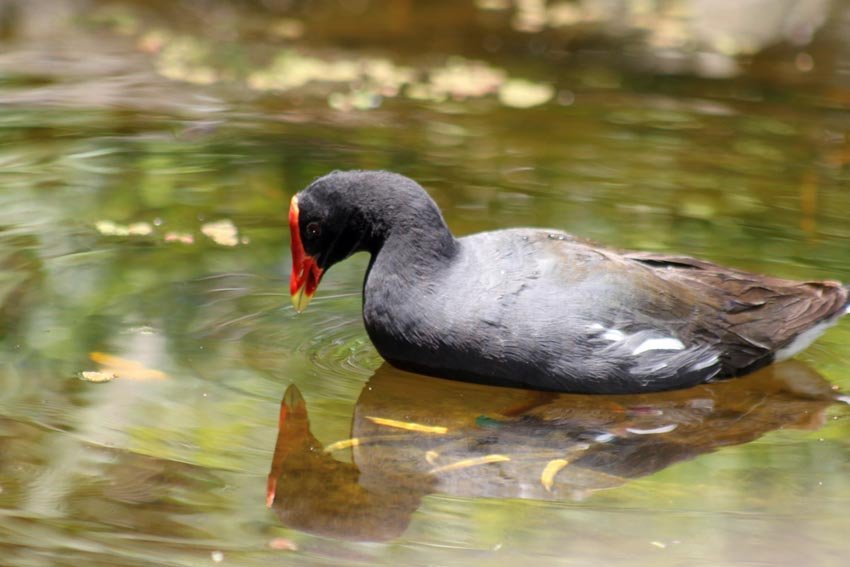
148, 152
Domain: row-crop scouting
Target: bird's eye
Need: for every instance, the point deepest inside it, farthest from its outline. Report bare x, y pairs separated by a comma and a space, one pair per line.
314, 230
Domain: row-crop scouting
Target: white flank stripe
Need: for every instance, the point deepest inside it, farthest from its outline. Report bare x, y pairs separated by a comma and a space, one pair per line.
705, 363
668, 343
613, 335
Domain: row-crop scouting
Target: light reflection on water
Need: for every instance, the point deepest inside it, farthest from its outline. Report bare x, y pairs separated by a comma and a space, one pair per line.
750, 172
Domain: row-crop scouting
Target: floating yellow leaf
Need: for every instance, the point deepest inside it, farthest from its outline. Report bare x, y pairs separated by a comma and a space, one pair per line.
283, 544
140, 229
286, 28
553, 467
467, 463
125, 368
110, 228
221, 232
519, 93
493, 4
181, 237
431, 457
408, 425
461, 79
184, 59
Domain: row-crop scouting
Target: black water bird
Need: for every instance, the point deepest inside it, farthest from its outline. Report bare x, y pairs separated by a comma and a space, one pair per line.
540, 308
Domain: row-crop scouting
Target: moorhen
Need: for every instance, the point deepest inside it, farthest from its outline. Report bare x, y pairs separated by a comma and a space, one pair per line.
542, 309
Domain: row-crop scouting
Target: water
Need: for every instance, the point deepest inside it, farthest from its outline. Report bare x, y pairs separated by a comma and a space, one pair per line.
126, 131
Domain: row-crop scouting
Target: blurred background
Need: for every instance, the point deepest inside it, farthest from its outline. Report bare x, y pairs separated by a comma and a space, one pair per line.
148, 151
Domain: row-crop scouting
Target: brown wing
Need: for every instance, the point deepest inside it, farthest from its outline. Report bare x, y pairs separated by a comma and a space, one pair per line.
754, 315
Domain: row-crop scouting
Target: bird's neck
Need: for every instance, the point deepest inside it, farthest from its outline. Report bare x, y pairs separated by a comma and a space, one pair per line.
419, 250
414, 246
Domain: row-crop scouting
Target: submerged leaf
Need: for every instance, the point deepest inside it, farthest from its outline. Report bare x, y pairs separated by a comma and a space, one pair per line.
552, 468
467, 463
344, 444
408, 425
95, 376
125, 368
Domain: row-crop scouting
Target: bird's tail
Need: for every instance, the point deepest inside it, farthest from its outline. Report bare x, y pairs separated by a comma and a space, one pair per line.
847, 307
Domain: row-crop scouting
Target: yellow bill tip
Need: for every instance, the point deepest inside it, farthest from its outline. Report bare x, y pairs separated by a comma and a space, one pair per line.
301, 299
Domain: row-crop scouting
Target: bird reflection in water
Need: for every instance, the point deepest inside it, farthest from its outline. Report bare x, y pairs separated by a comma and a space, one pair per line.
413, 435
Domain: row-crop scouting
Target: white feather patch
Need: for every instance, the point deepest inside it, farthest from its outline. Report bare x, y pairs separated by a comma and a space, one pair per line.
802, 341
663, 429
